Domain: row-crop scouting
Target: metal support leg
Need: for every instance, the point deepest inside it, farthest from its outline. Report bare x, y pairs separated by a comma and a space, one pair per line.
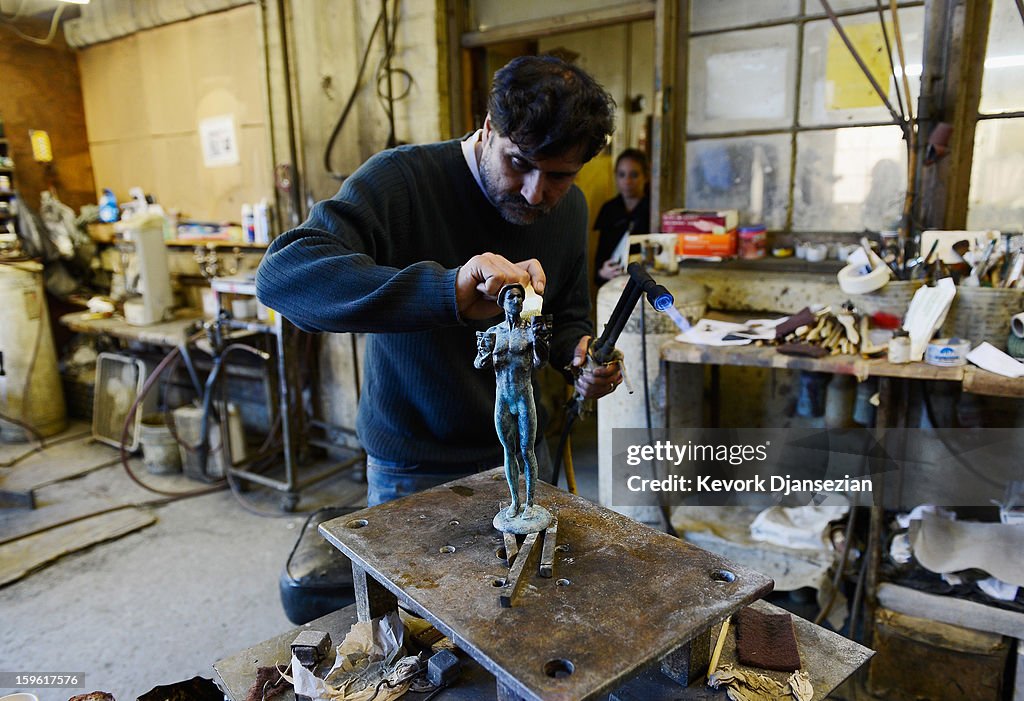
690, 662
372, 599
291, 498
887, 410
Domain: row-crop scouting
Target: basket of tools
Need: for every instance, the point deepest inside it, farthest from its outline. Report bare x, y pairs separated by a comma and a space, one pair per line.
893, 299
983, 314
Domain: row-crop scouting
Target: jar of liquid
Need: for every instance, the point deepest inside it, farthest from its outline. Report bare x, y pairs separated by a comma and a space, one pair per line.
899, 348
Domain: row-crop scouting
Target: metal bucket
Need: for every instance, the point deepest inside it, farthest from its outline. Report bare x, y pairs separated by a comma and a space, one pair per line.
30, 388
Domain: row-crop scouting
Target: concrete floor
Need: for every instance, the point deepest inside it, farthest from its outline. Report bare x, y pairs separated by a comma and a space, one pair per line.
163, 604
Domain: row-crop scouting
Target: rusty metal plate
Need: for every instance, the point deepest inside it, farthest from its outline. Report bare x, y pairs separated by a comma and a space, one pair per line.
624, 595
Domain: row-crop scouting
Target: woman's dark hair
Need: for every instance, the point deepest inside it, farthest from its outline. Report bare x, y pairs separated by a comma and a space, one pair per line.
548, 108
634, 154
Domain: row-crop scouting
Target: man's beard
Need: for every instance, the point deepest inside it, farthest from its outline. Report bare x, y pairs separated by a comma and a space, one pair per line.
512, 207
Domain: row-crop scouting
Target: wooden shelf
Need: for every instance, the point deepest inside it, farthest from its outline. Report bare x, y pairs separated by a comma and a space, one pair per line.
218, 243
973, 379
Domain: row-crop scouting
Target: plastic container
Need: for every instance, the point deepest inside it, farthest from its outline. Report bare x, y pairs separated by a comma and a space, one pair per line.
109, 211
899, 348
947, 352
753, 242
30, 386
261, 222
248, 223
160, 451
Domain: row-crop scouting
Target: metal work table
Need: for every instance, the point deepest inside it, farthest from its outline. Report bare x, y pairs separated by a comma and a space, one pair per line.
176, 331
623, 596
633, 597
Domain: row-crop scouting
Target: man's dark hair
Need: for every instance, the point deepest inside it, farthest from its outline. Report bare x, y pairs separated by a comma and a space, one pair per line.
549, 108
634, 154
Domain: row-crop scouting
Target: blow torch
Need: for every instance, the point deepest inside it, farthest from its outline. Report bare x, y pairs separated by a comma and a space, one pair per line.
602, 350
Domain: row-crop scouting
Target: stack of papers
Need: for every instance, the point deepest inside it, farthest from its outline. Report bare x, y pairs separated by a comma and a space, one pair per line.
988, 357
709, 332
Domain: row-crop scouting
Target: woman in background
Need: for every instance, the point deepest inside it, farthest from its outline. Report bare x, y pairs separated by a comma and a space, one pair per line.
627, 213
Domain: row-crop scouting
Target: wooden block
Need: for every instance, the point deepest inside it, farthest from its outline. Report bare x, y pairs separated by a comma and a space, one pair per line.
921, 658
19, 557
949, 609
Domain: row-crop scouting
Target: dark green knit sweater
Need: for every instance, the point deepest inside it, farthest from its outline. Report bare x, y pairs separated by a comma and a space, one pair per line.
382, 256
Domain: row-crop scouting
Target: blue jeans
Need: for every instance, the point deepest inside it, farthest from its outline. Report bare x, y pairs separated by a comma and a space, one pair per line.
388, 479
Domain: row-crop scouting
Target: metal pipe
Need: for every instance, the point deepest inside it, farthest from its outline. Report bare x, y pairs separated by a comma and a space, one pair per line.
186, 356
286, 428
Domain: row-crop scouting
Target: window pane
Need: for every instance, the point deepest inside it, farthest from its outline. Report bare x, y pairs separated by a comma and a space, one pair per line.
489, 14
1002, 87
747, 174
849, 179
833, 88
742, 80
722, 14
997, 193
814, 7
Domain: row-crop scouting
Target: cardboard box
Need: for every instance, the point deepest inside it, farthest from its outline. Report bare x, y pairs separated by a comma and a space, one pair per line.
696, 221
718, 245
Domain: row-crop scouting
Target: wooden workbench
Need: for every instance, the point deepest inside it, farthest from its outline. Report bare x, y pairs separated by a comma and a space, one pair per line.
166, 333
973, 379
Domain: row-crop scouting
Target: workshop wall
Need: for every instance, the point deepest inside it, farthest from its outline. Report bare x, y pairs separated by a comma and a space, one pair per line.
145, 95
329, 38
42, 90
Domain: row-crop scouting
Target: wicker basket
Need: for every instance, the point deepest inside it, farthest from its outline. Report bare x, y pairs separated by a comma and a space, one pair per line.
983, 314
894, 298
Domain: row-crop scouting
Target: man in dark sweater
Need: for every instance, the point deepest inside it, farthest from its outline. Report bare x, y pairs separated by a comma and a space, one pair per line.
414, 249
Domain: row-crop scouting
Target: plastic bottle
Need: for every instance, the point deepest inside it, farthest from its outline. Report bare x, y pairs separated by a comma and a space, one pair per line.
109, 211
261, 217
248, 223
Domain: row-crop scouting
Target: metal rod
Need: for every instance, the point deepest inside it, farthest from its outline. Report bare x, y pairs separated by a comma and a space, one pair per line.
787, 21
259, 479
888, 54
282, 390
547, 555
515, 582
897, 118
908, 200
511, 546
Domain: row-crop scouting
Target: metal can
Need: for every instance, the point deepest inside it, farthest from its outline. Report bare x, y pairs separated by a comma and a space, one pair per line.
752, 242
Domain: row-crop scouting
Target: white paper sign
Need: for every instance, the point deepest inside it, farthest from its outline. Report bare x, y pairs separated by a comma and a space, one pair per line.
747, 84
220, 145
